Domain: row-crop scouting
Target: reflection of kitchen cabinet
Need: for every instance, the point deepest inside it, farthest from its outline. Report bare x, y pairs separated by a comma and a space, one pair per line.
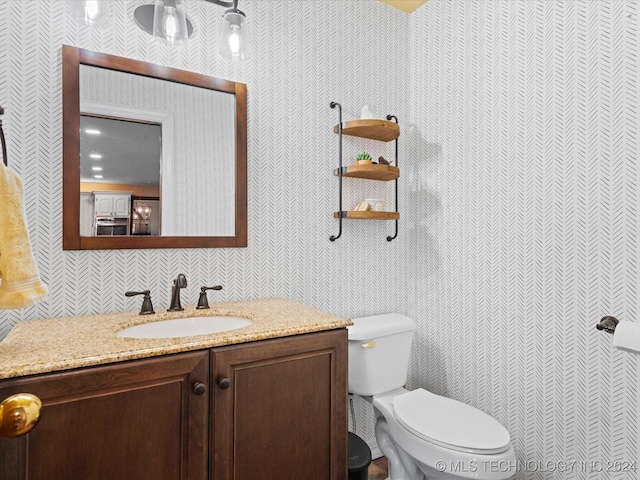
270, 409
110, 204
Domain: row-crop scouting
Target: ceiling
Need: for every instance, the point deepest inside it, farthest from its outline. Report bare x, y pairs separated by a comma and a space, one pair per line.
405, 5
130, 151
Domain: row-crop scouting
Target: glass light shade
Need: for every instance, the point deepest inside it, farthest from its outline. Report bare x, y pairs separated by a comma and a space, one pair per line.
170, 22
234, 41
94, 13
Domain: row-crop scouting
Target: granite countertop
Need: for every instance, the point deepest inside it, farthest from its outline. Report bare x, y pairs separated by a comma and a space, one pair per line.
49, 345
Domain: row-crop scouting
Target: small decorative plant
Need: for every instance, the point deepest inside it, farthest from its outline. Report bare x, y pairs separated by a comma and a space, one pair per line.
363, 157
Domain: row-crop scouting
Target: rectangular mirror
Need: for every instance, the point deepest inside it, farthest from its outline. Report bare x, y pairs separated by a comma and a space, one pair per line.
154, 157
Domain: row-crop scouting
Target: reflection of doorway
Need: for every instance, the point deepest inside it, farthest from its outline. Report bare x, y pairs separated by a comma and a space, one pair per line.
145, 216
115, 152
162, 206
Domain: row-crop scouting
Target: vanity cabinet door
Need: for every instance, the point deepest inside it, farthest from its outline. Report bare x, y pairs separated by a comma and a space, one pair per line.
280, 409
138, 420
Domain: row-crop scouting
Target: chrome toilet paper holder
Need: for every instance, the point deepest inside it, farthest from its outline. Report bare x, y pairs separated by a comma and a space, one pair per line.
608, 324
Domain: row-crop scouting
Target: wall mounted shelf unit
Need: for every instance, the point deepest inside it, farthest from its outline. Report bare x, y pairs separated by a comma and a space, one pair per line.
373, 129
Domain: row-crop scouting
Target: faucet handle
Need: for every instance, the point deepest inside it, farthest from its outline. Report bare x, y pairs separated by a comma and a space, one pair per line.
147, 307
203, 302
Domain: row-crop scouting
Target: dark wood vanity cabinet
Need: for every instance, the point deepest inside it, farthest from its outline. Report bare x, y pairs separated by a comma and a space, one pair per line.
273, 409
280, 409
138, 420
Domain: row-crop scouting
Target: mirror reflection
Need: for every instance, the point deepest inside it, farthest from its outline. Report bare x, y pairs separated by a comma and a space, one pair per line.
156, 157
173, 158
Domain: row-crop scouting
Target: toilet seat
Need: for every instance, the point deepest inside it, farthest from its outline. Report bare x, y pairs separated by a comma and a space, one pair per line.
450, 424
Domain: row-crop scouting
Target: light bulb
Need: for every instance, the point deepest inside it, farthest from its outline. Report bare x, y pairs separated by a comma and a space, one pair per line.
234, 42
91, 11
94, 13
170, 22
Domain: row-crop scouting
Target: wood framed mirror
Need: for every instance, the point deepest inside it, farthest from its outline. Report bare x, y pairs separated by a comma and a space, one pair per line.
153, 156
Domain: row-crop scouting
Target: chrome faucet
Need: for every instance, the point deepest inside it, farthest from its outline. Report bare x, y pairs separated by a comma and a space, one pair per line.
178, 283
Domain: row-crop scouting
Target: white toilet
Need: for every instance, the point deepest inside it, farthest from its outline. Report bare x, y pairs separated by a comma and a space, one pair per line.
423, 435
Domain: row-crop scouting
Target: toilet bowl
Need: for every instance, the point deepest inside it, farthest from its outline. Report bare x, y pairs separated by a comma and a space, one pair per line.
423, 435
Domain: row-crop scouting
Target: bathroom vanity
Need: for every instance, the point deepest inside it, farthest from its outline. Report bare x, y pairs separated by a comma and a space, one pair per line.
265, 401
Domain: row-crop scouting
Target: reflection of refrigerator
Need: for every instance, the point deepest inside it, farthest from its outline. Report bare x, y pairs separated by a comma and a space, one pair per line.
141, 214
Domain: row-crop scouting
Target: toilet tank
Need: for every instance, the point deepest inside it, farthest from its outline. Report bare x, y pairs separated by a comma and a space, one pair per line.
379, 348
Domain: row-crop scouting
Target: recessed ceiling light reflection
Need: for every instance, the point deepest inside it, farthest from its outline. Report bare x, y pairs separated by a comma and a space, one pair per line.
91, 131
96, 169
95, 155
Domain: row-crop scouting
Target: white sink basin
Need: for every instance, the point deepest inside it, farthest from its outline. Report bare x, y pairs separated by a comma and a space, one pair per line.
185, 327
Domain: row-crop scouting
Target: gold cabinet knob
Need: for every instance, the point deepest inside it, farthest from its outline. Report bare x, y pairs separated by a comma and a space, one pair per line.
19, 413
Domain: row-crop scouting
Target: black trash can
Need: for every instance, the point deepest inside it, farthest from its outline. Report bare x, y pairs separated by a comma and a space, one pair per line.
359, 458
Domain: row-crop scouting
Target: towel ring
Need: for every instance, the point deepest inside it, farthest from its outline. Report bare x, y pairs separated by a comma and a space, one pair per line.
4, 144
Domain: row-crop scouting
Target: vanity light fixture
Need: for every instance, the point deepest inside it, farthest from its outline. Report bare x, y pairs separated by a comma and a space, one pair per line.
234, 41
97, 176
167, 21
97, 156
92, 131
94, 13
96, 169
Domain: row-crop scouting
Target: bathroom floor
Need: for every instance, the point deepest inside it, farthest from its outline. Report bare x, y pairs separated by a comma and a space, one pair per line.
378, 469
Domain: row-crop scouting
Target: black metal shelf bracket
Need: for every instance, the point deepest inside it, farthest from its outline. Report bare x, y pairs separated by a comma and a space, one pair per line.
2, 141
389, 238
333, 238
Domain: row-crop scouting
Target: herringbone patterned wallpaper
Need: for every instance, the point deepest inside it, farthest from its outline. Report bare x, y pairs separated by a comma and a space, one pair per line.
524, 184
519, 193
305, 54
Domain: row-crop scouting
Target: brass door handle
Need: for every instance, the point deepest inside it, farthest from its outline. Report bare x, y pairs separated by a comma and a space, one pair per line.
19, 413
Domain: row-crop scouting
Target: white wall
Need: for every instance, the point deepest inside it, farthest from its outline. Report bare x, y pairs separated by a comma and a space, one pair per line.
525, 193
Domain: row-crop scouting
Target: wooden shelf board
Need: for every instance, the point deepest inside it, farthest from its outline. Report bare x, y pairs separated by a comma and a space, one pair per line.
372, 172
373, 129
368, 215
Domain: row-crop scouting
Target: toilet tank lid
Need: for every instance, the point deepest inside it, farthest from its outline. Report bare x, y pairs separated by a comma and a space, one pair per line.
368, 328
